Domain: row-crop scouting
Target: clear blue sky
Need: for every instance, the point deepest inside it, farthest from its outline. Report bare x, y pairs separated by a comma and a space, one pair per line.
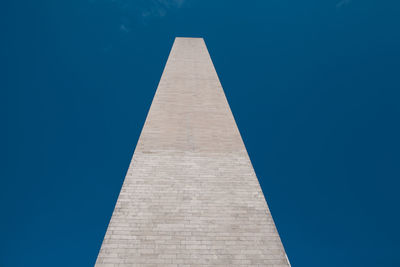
314, 87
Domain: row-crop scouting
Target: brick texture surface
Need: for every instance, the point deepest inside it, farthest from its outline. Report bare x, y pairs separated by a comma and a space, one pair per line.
190, 196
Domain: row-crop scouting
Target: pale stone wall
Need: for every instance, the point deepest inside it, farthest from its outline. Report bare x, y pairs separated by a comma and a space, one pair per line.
191, 197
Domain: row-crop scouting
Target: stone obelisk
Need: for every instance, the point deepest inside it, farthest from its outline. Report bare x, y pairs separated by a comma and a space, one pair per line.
191, 196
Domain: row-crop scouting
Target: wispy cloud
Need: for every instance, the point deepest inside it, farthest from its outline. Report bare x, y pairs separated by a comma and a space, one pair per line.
147, 8
159, 8
124, 28
133, 12
343, 3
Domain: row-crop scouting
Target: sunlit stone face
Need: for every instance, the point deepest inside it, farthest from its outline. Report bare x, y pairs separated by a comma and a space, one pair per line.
190, 196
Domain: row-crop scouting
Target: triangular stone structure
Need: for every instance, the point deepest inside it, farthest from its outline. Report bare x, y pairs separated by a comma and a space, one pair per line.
191, 196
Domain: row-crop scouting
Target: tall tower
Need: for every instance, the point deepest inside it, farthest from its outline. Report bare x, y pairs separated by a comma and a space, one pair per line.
190, 196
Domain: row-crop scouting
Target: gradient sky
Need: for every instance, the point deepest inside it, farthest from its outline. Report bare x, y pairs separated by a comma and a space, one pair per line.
314, 87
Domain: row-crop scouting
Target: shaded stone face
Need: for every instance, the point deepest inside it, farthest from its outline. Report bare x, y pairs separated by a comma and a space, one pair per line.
191, 197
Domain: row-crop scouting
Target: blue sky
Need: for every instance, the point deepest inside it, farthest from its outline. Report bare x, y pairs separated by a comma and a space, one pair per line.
314, 87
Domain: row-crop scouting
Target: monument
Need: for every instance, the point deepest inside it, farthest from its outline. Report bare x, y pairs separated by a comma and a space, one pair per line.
190, 196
